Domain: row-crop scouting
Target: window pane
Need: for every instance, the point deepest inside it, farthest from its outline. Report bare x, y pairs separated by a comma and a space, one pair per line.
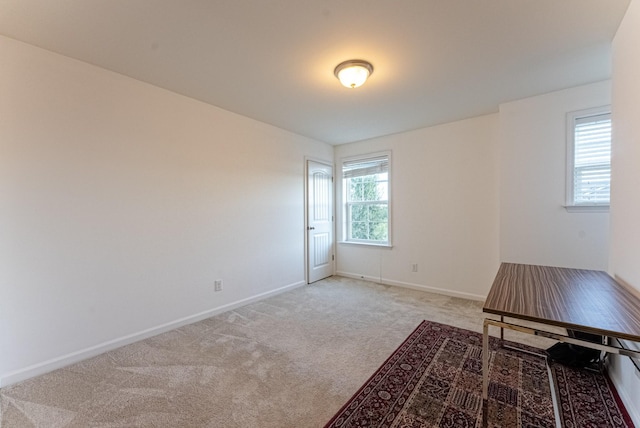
378, 231
359, 230
383, 188
592, 184
358, 213
369, 188
355, 189
378, 213
369, 221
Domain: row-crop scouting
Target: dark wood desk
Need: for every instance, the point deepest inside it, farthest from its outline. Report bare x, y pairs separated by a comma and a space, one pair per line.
584, 300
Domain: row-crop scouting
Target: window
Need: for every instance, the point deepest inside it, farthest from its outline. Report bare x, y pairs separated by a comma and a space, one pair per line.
365, 195
589, 158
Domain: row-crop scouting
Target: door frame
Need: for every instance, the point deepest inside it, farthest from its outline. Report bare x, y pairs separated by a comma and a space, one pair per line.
305, 186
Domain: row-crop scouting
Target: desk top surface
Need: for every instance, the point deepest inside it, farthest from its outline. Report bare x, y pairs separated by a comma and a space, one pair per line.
586, 300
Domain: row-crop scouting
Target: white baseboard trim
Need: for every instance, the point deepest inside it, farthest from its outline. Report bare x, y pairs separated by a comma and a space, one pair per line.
83, 354
419, 287
629, 404
619, 368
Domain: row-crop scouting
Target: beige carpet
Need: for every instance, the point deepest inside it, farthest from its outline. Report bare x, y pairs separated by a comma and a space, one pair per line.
289, 361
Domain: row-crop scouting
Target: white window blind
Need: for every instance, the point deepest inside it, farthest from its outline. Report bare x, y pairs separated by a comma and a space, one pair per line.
360, 168
592, 160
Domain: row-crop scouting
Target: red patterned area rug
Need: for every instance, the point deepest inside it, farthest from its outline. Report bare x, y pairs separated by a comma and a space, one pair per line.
434, 379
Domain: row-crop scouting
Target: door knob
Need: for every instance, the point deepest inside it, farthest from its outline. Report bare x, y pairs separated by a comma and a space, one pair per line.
311, 228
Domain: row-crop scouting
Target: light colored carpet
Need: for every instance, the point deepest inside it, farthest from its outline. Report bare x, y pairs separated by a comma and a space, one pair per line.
288, 361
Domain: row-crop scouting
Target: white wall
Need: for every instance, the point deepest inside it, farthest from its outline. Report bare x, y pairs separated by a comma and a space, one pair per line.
535, 228
121, 203
625, 185
444, 208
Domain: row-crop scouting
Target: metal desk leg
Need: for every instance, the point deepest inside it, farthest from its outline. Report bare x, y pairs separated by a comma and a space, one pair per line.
485, 373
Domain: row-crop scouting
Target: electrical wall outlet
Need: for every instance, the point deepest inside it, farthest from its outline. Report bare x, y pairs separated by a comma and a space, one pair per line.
217, 285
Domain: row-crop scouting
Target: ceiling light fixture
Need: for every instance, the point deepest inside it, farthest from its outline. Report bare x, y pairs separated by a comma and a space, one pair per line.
353, 73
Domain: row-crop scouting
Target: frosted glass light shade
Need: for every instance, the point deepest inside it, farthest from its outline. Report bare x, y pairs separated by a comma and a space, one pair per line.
353, 73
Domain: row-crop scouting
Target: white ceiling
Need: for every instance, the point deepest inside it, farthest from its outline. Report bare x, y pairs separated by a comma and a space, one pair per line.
272, 60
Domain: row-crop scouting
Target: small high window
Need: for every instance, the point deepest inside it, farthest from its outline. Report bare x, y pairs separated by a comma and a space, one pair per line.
589, 159
365, 198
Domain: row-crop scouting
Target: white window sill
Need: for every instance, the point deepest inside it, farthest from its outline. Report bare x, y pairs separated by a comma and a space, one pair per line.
366, 244
587, 208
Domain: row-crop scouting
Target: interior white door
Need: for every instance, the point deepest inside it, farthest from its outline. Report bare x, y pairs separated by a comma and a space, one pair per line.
320, 258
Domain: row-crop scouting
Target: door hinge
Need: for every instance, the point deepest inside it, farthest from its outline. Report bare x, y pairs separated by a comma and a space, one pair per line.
333, 257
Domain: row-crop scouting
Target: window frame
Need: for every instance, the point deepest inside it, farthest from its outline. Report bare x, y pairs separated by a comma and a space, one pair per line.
572, 118
345, 204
